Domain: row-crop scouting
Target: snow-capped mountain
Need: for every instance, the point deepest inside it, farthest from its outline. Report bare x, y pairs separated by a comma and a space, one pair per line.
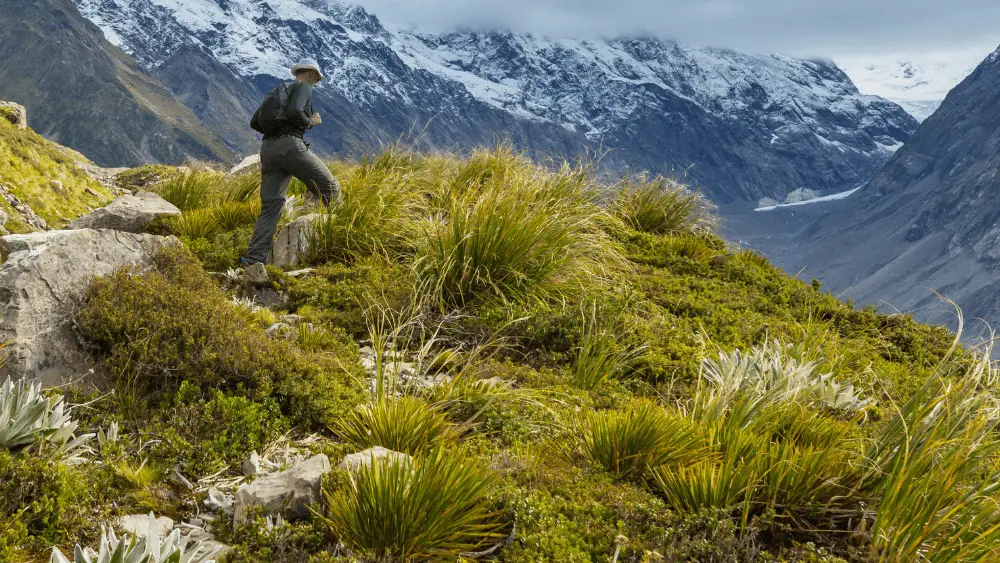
917, 83
741, 126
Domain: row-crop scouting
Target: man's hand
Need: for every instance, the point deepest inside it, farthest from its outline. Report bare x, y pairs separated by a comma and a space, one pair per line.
315, 120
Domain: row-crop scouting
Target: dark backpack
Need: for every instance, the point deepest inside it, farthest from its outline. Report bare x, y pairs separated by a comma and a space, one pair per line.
272, 114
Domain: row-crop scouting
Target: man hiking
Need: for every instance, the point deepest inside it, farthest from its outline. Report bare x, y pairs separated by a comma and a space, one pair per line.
284, 154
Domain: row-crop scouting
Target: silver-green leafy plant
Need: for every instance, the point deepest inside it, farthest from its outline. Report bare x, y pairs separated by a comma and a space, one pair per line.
769, 374
148, 548
28, 416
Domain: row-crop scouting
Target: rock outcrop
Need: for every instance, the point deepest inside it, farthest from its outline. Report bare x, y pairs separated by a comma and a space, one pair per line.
292, 242
800, 195
41, 282
129, 213
289, 492
14, 113
355, 461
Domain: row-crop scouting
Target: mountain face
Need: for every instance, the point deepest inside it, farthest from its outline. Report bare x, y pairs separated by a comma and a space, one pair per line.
742, 127
930, 220
84, 92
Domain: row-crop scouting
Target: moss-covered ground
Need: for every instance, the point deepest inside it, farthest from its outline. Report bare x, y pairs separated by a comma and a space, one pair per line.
592, 319
46, 177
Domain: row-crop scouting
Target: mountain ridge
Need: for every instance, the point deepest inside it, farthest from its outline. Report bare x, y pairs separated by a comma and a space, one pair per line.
85, 93
642, 99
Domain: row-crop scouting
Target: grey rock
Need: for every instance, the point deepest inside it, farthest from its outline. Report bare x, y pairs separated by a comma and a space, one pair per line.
292, 242
129, 213
219, 501
138, 524
256, 274
276, 329
251, 466
355, 461
289, 492
292, 320
800, 195
14, 113
767, 202
41, 284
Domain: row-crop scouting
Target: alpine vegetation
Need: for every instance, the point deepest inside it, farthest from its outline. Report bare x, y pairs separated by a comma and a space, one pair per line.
484, 357
147, 548
27, 417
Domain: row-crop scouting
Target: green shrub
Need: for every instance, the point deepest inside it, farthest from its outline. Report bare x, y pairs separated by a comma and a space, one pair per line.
630, 443
407, 425
224, 249
340, 295
430, 509
174, 324
44, 503
217, 433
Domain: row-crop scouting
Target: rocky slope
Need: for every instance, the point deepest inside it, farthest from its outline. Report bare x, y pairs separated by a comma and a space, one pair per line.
927, 221
743, 127
84, 92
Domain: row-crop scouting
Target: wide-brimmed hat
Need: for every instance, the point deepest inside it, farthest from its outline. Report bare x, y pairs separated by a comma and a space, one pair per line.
307, 64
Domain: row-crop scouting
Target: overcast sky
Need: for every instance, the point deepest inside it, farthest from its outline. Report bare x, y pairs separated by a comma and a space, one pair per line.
797, 27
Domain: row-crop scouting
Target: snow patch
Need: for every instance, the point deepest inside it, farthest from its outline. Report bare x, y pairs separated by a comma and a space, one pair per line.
831, 197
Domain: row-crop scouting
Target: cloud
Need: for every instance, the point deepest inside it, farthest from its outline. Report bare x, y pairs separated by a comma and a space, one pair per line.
797, 27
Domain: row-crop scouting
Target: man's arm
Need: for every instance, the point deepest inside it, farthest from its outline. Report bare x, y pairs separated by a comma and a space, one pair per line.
297, 105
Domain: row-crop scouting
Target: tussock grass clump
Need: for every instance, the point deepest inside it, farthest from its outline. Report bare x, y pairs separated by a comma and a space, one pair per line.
512, 236
663, 207
406, 424
933, 465
433, 508
644, 437
195, 224
235, 214
381, 202
600, 355
189, 190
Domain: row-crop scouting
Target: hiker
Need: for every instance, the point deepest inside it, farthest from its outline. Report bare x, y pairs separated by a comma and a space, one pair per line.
284, 154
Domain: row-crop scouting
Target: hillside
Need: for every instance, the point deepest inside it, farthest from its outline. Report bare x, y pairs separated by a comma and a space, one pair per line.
554, 376
740, 126
45, 181
91, 96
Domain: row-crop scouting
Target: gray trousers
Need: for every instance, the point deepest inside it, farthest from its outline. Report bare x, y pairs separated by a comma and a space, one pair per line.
280, 160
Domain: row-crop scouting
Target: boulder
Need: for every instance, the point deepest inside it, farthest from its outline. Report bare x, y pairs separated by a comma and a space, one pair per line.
252, 466
356, 461
289, 492
129, 213
14, 113
801, 194
292, 242
41, 283
768, 202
